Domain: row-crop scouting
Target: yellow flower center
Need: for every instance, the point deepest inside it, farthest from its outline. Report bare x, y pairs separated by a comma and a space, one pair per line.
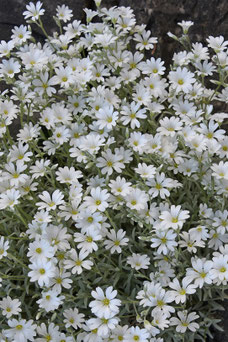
38, 250
106, 301
19, 327
42, 271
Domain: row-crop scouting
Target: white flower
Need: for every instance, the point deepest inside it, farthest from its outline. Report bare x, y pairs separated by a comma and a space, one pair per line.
181, 80
87, 239
165, 241
220, 268
131, 114
180, 290
136, 334
40, 250
169, 126
33, 11
174, 217
109, 162
42, 272
220, 170
115, 240
4, 246
105, 305
106, 117
77, 262
146, 171
21, 330
9, 67
138, 261
120, 186
185, 25
136, 199
10, 306
200, 272
98, 200
50, 202
73, 318
50, 300
64, 13
103, 325
184, 321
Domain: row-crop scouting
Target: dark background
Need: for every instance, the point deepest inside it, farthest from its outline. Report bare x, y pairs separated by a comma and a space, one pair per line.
160, 16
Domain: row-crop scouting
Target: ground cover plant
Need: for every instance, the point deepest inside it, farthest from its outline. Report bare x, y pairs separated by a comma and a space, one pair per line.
113, 192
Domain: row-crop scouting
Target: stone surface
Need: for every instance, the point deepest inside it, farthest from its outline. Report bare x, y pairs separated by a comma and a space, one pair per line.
160, 16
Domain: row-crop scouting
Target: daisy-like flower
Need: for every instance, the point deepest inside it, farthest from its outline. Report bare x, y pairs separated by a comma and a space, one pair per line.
40, 250
73, 318
181, 290
51, 332
6, 47
10, 306
105, 304
132, 114
181, 80
61, 278
220, 268
174, 217
136, 334
165, 241
136, 199
103, 325
63, 76
145, 171
137, 141
145, 41
106, 117
220, 171
185, 321
169, 126
153, 67
160, 185
76, 261
21, 330
64, 13
20, 34
20, 153
42, 272
9, 67
98, 200
120, 186
138, 261
109, 162
34, 11
119, 333
218, 44
50, 202
68, 175
87, 239
44, 84
115, 240
50, 300
200, 272
4, 246
14, 173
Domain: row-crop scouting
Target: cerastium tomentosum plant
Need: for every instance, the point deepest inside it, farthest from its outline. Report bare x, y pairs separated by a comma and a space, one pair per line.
113, 191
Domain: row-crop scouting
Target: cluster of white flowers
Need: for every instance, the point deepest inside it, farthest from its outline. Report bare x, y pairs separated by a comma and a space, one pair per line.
113, 191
